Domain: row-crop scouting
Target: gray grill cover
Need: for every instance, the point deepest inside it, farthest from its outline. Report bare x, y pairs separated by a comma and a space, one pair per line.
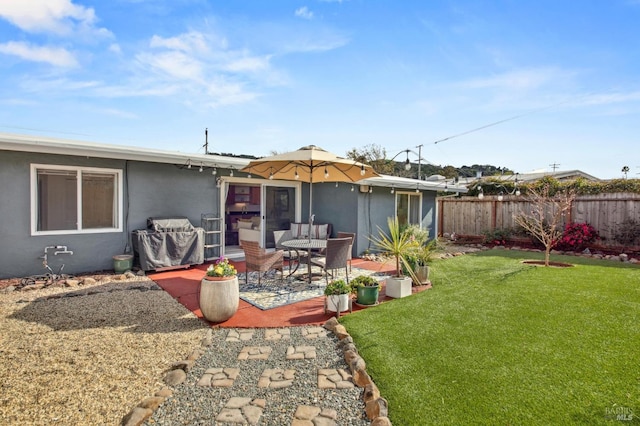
167, 243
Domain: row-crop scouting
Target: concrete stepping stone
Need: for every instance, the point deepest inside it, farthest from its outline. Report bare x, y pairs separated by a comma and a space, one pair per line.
314, 332
219, 377
331, 378
255, 352
242, 410
276, 378
277, 334
239, 335
309, 415
301, 352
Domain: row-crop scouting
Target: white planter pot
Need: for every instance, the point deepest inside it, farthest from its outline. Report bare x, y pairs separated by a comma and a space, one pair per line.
338, 300
219, 298
398, 287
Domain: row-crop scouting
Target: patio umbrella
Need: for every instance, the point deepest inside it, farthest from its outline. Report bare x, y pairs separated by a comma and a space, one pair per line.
310, 164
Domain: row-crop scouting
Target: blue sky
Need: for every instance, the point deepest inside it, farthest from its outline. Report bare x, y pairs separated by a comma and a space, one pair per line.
267, 76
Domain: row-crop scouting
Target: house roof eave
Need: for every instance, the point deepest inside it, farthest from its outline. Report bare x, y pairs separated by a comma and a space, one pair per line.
41, 144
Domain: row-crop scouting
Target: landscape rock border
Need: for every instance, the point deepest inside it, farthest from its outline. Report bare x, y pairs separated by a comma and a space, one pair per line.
376, 407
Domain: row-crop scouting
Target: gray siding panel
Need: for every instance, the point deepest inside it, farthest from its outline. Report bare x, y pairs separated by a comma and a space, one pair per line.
150, 189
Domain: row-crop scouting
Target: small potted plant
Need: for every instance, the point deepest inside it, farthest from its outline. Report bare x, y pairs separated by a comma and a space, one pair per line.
219, 291
367, 290
337, 292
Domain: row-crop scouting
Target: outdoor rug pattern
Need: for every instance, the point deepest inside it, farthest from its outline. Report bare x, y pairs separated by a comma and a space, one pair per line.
273, 291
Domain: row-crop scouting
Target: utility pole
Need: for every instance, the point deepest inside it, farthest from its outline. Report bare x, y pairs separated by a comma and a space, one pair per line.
554, 166
419, 159
206, 141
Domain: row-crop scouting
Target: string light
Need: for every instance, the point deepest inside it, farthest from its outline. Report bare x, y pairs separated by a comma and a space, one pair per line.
326, 172
393, 190
215, 171
362, 171
296, 176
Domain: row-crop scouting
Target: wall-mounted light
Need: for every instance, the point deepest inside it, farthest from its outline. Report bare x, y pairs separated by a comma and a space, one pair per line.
231, 172
201, 168
214, 171
218, 183
393, 190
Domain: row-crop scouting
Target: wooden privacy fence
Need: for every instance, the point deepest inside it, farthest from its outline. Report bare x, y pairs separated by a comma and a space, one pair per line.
471, 216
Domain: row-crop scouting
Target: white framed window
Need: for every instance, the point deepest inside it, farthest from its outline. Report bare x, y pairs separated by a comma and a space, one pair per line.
409, 208
73, 200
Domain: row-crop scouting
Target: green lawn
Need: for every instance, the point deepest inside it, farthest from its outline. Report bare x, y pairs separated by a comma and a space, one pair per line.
499, 342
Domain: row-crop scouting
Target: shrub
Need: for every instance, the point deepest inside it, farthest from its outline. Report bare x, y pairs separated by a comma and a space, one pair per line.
627, 233
576, 236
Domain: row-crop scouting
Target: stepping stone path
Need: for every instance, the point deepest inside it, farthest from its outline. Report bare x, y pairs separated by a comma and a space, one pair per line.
301, 352
239, 336
255, 352
314, 332
276, 378
219, 377
329, 378
242, 410
243, 396
277, 334
308, 415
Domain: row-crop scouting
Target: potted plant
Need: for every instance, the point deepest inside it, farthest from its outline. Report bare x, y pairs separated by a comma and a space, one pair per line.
421, 256
398, 244
367, 290
219, 291
337, 292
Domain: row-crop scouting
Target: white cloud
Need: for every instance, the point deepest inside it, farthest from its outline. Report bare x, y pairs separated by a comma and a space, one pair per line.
525, 79
115, 48
50, 16
193, 42
304, 13
56, 56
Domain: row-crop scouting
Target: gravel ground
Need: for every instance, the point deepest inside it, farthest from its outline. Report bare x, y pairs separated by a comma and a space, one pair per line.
87, 355
193, 405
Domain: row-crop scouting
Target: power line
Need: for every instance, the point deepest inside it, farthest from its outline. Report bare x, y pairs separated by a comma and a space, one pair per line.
506, 119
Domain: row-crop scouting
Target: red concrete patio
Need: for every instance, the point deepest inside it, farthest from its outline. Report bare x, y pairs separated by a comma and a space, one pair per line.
184, 286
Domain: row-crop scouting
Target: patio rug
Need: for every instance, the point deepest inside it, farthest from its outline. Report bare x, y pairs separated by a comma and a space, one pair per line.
273, 292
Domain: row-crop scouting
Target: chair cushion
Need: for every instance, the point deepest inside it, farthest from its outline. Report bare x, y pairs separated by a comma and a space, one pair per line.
301, 230
244, 224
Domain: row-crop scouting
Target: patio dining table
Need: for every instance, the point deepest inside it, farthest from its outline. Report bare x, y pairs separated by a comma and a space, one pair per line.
308, 245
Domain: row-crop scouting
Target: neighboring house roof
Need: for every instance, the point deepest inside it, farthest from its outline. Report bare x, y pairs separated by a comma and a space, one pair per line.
559, 175
531, 177
411, 184
42, 144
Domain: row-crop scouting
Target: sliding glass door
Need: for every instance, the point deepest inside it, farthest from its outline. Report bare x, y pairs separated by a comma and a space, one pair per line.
278, 210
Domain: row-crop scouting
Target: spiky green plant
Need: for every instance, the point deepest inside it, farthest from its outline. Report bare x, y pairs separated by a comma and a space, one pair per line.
396, 243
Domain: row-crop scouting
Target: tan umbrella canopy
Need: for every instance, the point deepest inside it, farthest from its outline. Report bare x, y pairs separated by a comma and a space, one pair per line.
310, 164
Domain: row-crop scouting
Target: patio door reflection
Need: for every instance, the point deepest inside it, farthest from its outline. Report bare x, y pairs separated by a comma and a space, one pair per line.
279, 210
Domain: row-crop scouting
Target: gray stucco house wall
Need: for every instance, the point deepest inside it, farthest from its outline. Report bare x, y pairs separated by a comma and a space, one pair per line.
157, 184
149, 189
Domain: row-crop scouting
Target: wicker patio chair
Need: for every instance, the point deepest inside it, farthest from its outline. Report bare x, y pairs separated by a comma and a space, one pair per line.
335, 258
353, 238
259, 260
289, 255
